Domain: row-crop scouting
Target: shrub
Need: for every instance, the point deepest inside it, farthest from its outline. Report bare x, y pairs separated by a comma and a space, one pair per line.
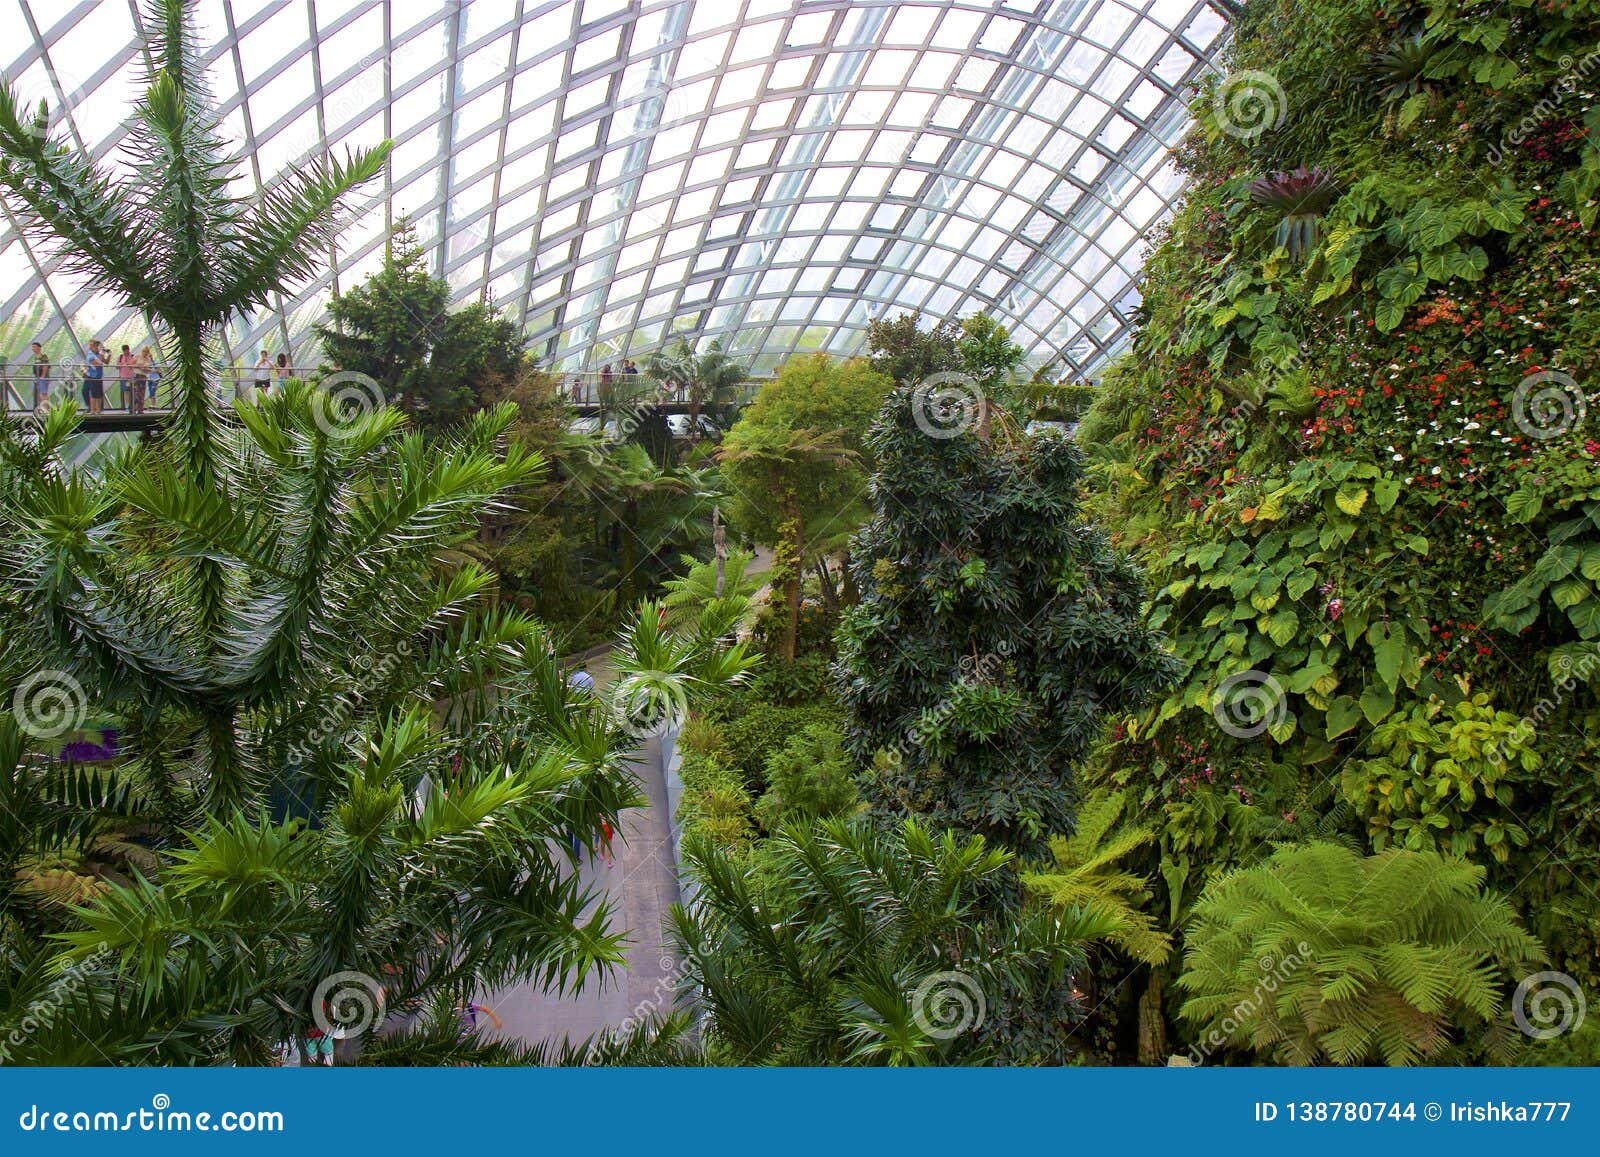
716, 806
809, 776
756, 735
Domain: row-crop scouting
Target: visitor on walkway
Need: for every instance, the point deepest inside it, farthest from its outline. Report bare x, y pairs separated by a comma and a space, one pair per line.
94, 377
153, 373
581, 680
141, 378
125, 362
263, 373
605, 843
629, 368
41, 376
283, 370
606, 379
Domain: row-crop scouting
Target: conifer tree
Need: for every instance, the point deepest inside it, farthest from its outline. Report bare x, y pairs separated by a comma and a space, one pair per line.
996, 630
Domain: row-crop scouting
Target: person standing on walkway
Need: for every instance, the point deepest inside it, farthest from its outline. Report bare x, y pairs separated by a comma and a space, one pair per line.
41, 377
94, 377
263, 374
125, 362
153, 374
284, 370
141, 378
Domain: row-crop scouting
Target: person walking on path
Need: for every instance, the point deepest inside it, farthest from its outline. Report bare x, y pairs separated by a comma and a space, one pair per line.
94, 377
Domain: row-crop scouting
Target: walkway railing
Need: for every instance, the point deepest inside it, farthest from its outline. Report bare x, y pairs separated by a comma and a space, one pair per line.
25, 393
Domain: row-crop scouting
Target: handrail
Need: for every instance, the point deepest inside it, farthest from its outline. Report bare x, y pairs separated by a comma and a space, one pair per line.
579, 387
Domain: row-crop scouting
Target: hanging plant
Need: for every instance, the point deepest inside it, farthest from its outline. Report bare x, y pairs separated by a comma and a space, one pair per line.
1301, 197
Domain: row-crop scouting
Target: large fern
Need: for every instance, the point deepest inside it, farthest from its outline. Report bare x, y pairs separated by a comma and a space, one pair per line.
1321, 955
1087, 874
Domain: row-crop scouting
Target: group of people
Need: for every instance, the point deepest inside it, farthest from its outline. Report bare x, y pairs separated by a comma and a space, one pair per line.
608, 379
267, 374
138, 377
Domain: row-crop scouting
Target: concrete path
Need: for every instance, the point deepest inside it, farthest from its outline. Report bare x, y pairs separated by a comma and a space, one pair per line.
642, 883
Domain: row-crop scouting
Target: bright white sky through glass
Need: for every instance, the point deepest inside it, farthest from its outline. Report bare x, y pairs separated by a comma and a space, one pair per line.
772, 173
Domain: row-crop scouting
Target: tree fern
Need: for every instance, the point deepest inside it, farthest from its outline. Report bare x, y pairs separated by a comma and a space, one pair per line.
1087, 875
1321, 955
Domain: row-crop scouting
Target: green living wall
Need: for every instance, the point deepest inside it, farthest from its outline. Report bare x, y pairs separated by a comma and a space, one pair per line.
1355, 443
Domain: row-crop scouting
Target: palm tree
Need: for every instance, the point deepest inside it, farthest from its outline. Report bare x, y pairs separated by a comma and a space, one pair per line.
871, 947
272, 612
709, 380
171, 240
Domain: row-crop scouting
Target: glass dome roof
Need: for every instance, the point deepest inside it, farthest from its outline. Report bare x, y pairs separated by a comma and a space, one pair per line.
773, 173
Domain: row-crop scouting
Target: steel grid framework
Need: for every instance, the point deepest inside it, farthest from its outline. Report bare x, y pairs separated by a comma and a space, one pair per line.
770, 173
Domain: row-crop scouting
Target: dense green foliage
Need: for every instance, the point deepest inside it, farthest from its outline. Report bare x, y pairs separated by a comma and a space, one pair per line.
338, 764
1348, 444
1321, 955
880, 948
996, 631
435, 363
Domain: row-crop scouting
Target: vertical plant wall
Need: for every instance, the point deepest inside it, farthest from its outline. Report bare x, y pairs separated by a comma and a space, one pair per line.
1357, 445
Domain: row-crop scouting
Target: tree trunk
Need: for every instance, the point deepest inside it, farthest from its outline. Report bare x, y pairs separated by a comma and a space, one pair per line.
829, 589
792, 587
719, 545
850, 594
1152, 1023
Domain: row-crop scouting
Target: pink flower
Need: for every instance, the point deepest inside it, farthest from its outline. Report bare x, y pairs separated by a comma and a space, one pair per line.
1335, 609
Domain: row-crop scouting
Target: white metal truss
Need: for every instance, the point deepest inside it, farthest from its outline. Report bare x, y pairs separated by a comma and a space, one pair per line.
771, 173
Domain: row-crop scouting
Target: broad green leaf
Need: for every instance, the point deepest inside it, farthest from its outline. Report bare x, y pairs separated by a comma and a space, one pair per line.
1350, 498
